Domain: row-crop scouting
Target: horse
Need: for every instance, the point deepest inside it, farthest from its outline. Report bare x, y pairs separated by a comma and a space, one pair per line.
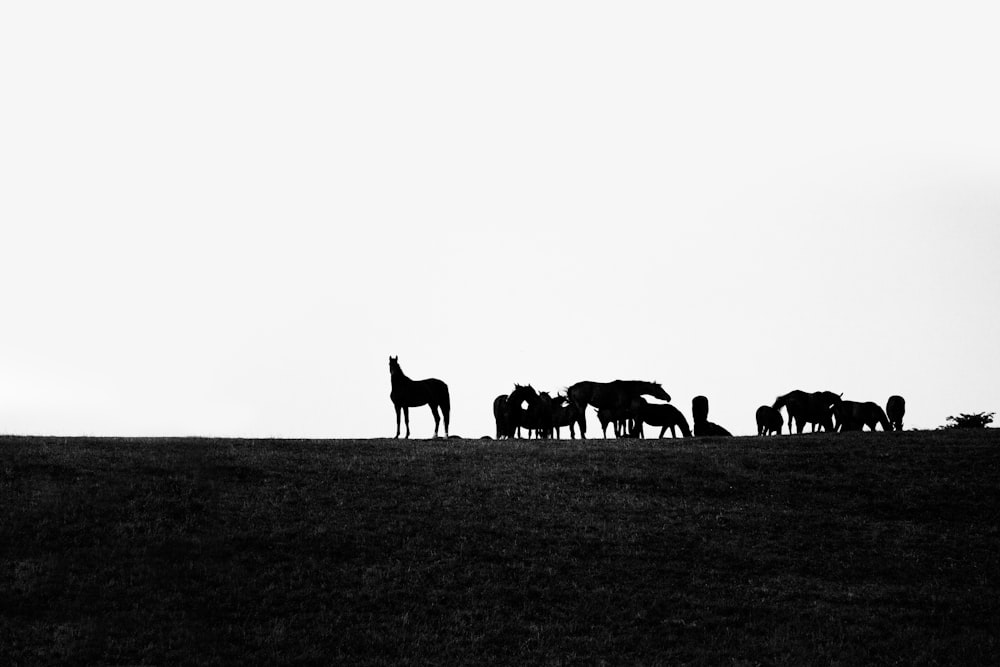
622, 419
769, 420
407, 393
500, 415
536, 417
895, 408
542, 415
564, 413
703, 427
663, 415
616, 395
815, 408
854, 416
607, 416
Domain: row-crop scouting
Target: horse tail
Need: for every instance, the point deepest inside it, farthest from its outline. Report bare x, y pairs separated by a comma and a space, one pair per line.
445, 399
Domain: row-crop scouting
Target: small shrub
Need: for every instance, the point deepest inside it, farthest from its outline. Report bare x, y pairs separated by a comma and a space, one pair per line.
974, 420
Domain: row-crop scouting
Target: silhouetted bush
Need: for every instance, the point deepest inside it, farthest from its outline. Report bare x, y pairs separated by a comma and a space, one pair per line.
974, 420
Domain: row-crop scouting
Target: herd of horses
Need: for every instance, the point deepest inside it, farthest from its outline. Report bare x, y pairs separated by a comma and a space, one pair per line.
622, 404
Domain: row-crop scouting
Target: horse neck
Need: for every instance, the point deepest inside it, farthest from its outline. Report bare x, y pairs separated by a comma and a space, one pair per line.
398, 378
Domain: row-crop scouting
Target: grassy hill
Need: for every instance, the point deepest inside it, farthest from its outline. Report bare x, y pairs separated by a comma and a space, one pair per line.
854, 548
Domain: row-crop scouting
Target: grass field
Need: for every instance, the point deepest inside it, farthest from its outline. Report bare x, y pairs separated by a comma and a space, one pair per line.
817, 549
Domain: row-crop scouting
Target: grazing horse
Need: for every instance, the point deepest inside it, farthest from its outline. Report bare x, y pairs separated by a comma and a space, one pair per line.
815, 408
703, 427
769, 421
854, 416
407, 393
663, 415
536, 417
500, 415
564, 413
616, 395
895, 408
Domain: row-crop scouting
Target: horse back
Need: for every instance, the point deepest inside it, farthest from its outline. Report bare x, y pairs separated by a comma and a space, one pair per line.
414, 393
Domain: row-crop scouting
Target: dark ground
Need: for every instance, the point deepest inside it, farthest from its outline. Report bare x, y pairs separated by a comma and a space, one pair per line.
818, 549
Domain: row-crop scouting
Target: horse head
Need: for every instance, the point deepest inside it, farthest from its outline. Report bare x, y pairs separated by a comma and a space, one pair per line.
394, 365
659, 392
521, 394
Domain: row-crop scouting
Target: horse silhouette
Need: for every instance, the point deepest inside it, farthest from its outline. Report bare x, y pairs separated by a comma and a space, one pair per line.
854, 416
703, 427
407, 393
895, 408
815, 408
500, 415
663, 415
536, 417
769, 420
616, 395
564, 413
607, 416
542, 415
621, 418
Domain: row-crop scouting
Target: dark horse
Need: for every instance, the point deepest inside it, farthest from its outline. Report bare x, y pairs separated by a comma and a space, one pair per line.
815, 408
854, 416
536, 417
407, 393
615, 395
769, 420
895, 408
620, 419
663, 415
564, 413
500, 415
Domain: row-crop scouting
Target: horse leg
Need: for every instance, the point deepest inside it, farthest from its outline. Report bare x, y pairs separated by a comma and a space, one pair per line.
397, 420
437, 418
406, 418
446, 413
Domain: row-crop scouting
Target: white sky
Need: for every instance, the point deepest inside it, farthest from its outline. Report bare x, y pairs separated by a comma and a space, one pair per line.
222, 218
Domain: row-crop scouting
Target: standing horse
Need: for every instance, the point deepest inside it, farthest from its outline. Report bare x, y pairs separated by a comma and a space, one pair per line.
536, 417
769, 420
407, 393
616, 395
895, 408
854, 416
607, 416
564, 413
500, 415
815, 408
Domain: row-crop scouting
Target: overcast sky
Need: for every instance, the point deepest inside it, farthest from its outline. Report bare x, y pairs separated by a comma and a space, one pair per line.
221, 218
